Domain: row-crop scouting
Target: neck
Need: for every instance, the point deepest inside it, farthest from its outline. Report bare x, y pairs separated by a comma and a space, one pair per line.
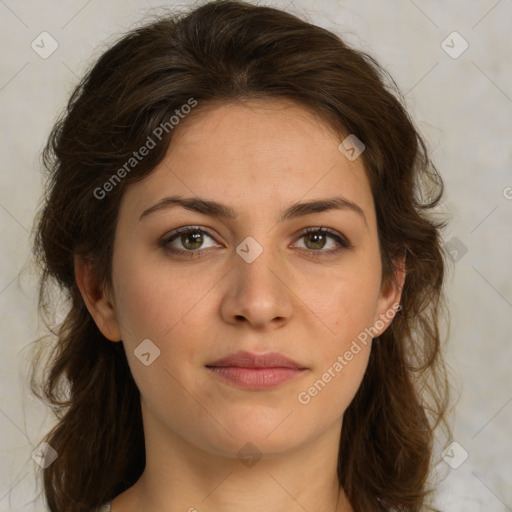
182, 477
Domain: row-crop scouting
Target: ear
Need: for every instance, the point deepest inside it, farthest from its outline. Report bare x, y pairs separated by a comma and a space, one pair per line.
390, 296
98, 300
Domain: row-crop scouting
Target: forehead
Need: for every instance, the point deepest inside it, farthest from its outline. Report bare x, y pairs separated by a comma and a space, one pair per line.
266, 127
255, 153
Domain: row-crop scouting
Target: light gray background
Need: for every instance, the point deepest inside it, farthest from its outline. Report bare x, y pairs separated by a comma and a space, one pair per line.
462, 105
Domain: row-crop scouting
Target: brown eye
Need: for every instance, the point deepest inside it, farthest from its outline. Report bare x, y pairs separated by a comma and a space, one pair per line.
192, 239
185, 240
316, 239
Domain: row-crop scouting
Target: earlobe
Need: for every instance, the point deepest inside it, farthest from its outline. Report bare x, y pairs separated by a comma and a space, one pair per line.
97, 300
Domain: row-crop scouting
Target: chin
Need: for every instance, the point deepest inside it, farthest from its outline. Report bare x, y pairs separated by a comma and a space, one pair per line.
255, 447
271, 438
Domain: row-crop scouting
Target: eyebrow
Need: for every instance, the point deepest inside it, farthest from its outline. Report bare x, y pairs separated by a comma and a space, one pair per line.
219, 210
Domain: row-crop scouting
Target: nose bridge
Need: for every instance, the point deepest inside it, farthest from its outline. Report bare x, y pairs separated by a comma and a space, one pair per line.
257, 289
258, 264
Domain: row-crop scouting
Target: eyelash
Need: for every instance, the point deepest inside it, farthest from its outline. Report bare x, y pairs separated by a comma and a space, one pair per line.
341, 240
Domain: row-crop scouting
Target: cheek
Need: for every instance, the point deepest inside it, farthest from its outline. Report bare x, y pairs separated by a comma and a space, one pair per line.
149, 306
348, 310
166, 309
336, 379
348, 305
152, 301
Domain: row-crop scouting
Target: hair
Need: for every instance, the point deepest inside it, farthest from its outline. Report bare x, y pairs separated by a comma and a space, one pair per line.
217, 53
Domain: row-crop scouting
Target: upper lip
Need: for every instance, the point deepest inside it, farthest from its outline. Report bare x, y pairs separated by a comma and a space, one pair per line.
252, 360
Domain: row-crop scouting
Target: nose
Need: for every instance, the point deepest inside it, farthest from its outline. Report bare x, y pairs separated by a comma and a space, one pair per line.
258, 293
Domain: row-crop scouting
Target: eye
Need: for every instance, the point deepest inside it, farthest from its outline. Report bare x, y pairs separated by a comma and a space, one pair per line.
191, 238
317, 238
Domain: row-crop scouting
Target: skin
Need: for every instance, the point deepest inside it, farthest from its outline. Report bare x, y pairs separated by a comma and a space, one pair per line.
257, 157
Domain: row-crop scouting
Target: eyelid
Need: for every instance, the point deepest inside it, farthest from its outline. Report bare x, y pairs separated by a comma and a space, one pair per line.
186, 229
338, 237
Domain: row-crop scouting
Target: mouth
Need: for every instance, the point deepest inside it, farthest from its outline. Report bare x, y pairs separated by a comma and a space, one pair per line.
256, 371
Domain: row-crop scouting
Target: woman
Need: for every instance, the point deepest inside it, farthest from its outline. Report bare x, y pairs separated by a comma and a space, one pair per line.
238, 209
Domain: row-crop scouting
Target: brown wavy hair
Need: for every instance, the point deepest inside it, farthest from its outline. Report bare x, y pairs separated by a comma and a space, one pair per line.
218, 52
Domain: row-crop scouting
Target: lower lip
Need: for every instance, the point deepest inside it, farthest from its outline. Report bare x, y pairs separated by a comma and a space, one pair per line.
256, 378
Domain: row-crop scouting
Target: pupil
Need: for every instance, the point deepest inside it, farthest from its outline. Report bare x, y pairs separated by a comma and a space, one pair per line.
196, 243
317, 236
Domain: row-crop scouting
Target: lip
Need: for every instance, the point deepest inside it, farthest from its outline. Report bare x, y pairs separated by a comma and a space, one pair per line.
256, 371
251, 360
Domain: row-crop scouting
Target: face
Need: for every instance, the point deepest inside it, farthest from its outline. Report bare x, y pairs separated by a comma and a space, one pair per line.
270, 277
